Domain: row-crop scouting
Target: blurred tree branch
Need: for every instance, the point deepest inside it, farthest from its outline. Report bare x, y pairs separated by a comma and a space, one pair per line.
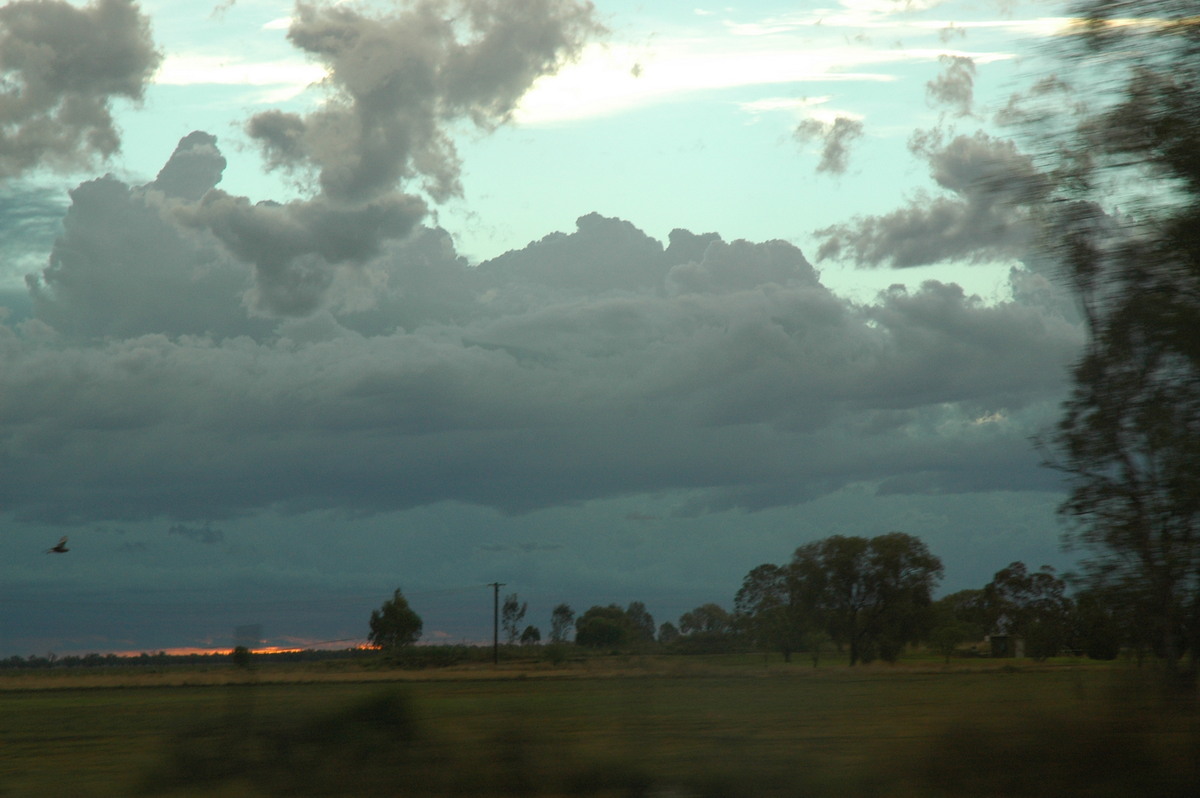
1124, 223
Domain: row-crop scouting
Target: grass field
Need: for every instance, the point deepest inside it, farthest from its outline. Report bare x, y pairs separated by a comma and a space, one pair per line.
669, 726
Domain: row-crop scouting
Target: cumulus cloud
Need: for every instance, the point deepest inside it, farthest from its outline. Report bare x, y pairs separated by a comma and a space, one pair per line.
547, 377
835, 138
983, 216
61, 67
397, 85
602, 254
397, 82
293, 246
169, 257
742, 266
123, 266
955, 86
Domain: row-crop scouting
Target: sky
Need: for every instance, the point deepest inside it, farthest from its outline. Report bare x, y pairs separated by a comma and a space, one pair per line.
301, 303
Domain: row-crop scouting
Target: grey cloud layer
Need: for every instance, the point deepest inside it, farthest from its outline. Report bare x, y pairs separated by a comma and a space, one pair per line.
60, 69
591, 364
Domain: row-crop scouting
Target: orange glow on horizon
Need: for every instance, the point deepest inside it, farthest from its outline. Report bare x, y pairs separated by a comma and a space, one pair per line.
184, 651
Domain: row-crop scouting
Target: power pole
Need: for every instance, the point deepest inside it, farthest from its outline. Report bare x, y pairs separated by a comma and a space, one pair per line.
496, 622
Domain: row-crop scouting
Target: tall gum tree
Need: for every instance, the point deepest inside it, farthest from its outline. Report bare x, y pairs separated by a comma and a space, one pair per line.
1124, 223
873, 595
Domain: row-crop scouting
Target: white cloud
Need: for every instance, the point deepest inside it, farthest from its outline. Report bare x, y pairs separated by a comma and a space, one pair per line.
824, 45
603, 81
182, 69
795, 104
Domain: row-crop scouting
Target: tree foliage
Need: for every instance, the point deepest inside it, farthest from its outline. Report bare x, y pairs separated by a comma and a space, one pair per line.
1033, 606
642, 622
605, 627
1124, 225
870, 595
768, 613
711, 619
512, 612
395, 624
958, 618
561, 620
613, 627
873, 595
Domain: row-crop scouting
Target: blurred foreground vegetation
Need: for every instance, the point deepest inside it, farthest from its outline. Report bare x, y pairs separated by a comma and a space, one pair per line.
737, 725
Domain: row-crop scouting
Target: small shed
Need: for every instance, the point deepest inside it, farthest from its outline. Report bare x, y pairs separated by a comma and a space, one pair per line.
1007, 645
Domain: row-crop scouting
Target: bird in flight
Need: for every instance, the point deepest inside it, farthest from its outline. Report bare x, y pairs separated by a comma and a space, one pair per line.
61, 548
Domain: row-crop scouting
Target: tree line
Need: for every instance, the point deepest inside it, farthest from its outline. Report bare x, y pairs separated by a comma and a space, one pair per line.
868, 599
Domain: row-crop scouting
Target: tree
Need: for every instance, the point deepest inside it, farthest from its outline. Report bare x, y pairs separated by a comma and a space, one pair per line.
561, 620
605, 627
512, 612
958, 618
242, 658
706, 629
872, 595
1125, 214
667, 633
708, 619
531, 636
1030, 605
394, 625
967, 607
766, 610
1102, 623
642, 621
947, 635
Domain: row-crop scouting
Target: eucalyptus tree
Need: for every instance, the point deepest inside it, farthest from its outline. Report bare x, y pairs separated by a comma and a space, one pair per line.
767, 614
562, 618
872, 596
1123, 221
512, 612
395, 624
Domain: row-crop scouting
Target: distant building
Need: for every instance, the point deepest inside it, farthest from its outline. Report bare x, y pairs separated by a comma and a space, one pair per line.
1007, 645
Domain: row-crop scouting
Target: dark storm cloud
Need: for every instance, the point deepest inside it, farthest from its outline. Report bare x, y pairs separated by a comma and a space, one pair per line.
590, 364
60, 69
984, 216
835, 138
397, 86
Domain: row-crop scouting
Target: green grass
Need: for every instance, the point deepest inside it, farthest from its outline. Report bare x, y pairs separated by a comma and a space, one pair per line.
610, 726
